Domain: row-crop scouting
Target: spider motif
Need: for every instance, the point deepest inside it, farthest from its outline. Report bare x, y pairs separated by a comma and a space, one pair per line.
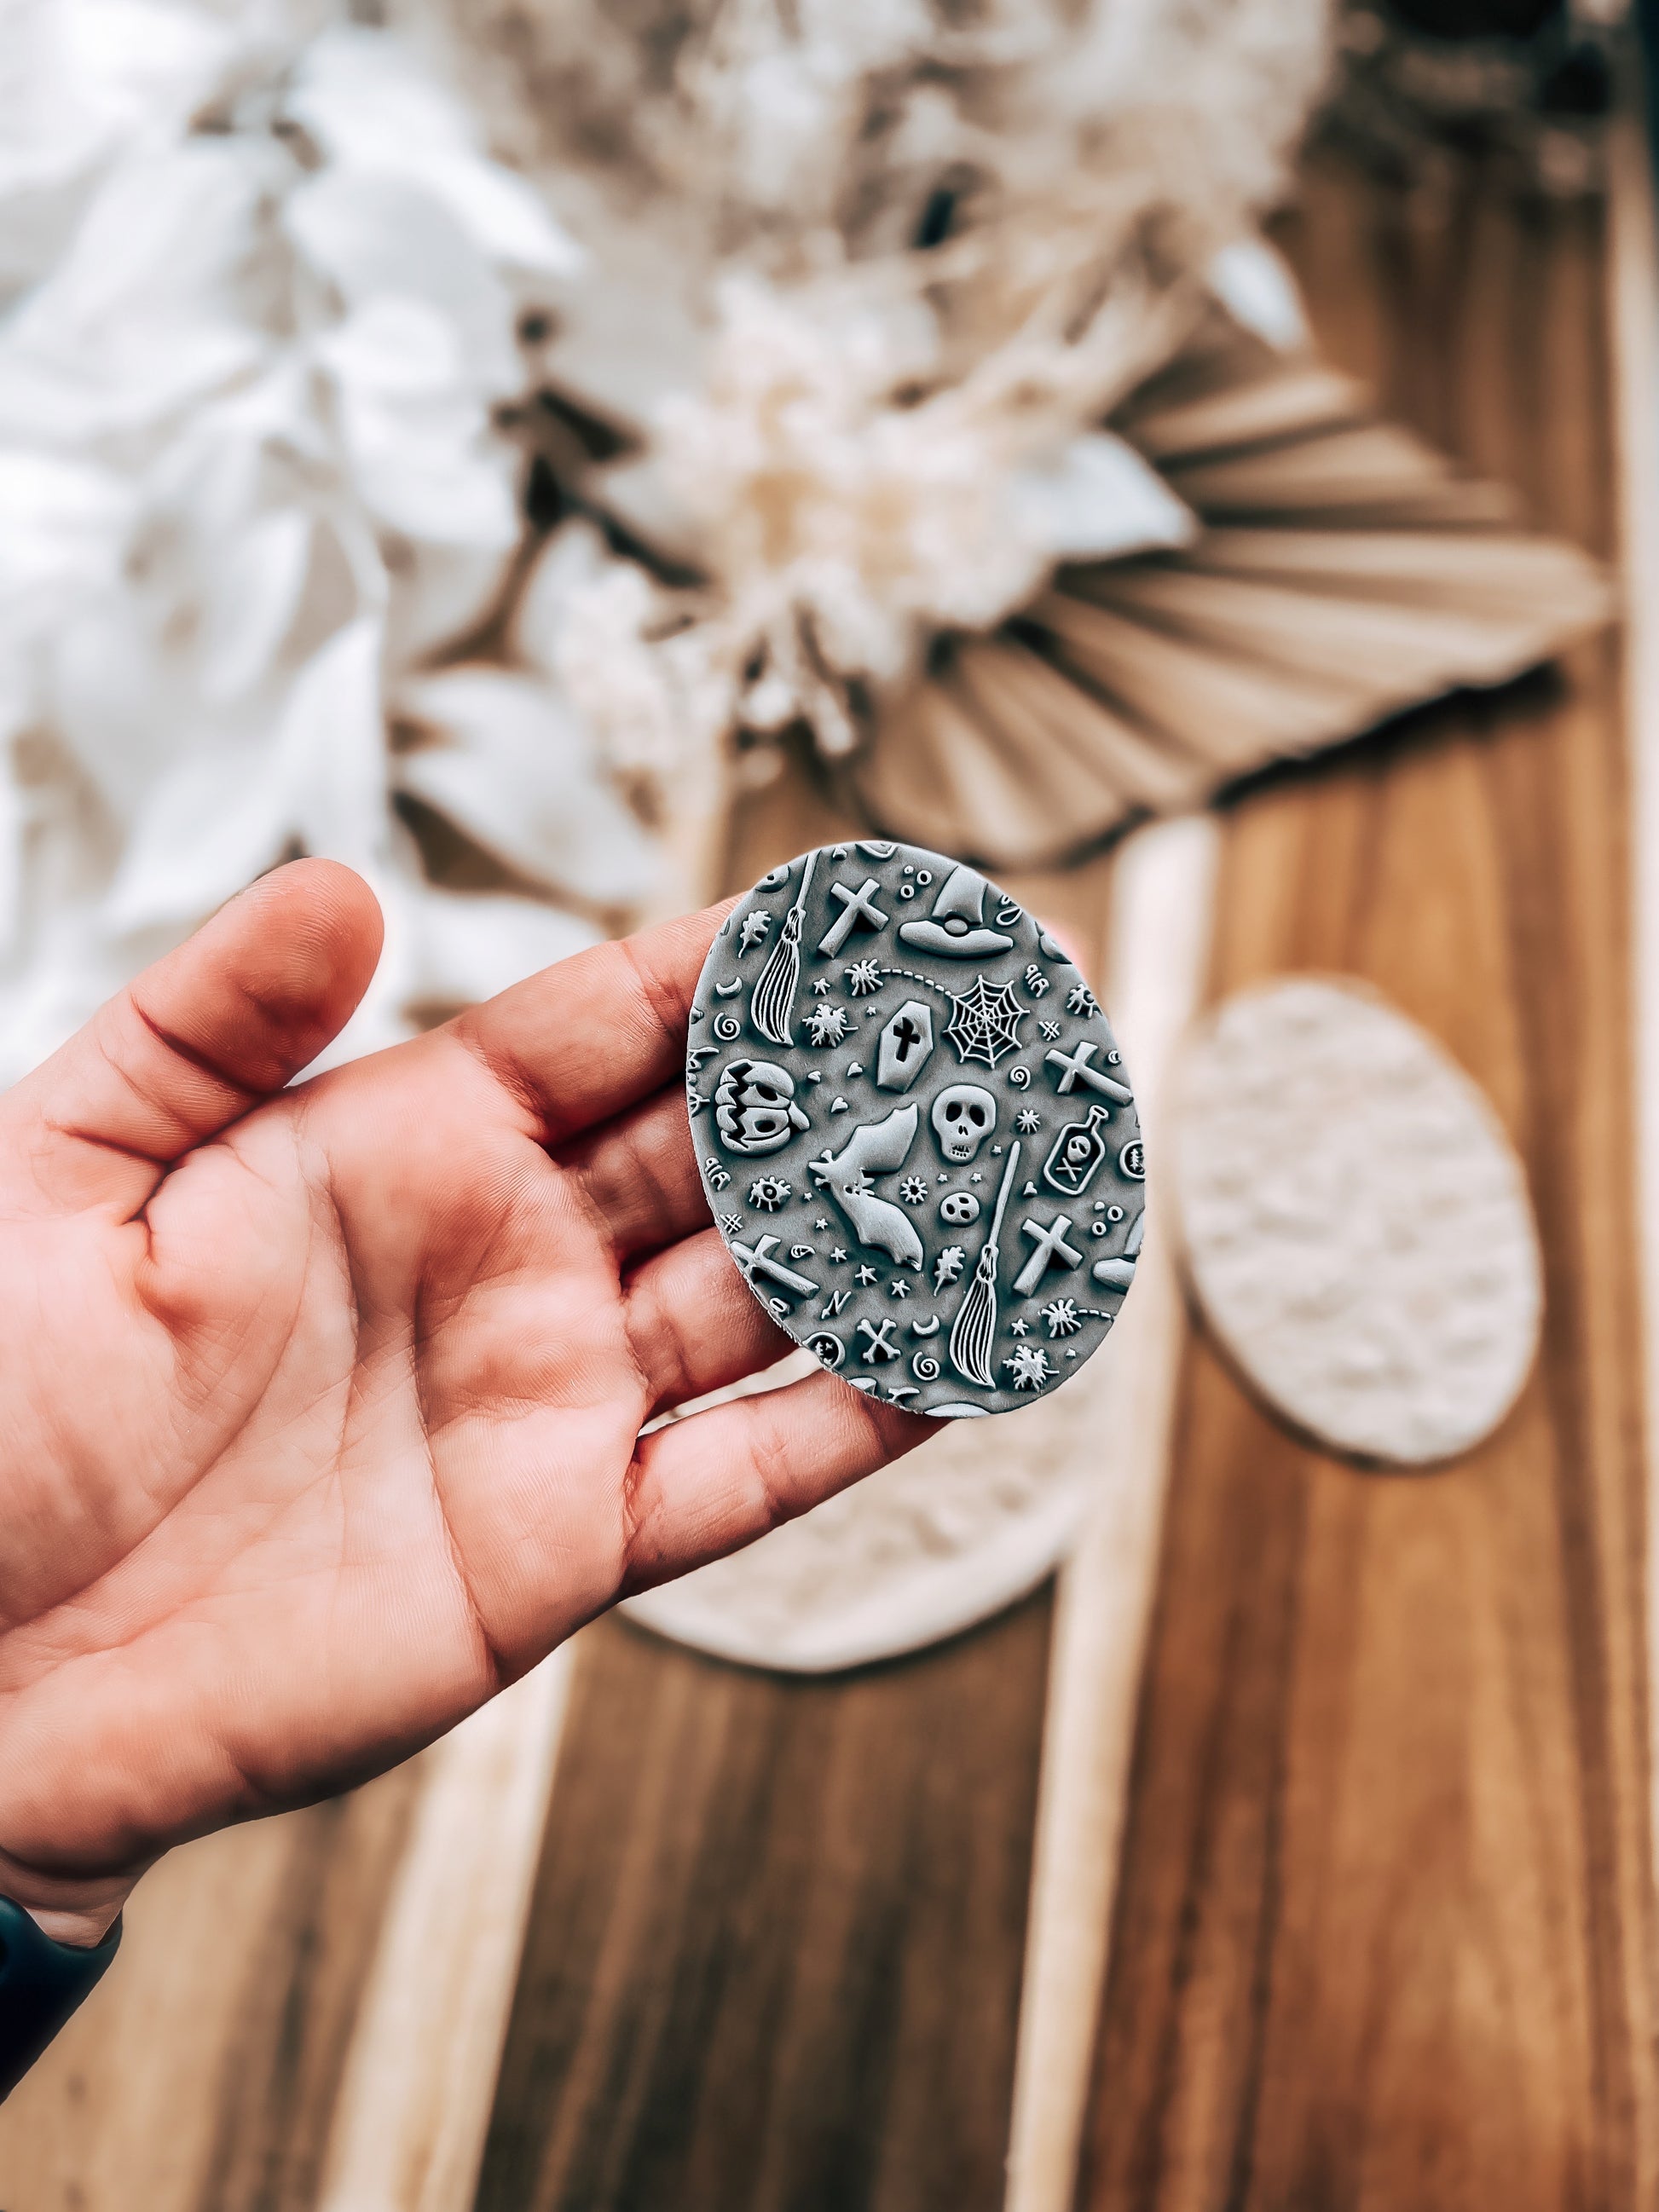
913, 1190
863, 977
826, 1025
1028, 1122
1028, 1365
1061, 1317
1080, 999
769, 1192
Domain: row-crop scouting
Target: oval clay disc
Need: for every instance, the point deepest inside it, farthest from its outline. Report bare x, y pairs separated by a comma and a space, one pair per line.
920, 1550
915, 1129
1355, 1221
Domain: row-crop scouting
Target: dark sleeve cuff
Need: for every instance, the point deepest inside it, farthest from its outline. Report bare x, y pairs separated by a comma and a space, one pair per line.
41, 1983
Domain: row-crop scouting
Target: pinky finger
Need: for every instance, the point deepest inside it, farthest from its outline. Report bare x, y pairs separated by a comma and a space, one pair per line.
706, 1486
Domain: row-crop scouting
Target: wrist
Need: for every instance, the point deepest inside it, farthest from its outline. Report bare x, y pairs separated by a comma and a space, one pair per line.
76, 1910
42, 1984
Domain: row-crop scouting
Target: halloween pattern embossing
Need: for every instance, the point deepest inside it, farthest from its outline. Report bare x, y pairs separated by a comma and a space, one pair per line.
926, 972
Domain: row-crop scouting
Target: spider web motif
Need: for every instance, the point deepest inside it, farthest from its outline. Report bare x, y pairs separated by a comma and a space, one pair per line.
985, 1022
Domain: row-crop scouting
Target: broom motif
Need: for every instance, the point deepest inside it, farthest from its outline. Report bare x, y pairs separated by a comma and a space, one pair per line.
974, 1330
772, 1009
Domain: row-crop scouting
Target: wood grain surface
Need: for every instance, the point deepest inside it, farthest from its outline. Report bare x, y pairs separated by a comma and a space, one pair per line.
1384, 1927
1384, 1931
776, 1952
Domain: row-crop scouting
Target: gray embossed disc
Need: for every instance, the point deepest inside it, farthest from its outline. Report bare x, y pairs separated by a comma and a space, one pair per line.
915, 1129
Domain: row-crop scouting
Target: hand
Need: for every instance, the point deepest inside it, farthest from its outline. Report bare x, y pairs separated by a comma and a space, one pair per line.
320, 1407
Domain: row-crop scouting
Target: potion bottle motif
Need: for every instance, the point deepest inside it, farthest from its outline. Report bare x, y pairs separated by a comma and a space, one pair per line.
1075, 1157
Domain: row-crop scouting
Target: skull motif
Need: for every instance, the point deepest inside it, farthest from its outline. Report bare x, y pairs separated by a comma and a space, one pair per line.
755, 1109
963, 1117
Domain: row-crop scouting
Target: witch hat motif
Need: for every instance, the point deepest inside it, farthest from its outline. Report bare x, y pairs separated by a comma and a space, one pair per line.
956, 928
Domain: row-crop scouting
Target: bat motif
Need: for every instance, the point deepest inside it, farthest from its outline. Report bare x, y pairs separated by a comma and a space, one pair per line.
875, 1148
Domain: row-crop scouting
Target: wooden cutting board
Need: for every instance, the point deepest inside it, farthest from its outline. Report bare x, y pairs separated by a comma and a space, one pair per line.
1383, 1929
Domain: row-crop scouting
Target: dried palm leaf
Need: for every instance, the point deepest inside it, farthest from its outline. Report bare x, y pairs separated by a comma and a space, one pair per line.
1344, 570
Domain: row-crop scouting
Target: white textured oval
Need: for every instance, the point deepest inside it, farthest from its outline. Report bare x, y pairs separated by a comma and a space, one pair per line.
917, 1551
1354, 1222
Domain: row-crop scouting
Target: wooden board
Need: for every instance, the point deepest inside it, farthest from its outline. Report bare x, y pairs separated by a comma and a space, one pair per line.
775, 1956
1384, 1933
1384, 1928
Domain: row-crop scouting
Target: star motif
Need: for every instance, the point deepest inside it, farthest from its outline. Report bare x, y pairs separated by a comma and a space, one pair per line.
977, 1176
867, 1275
820, 1223
898, 1288
820, 986
1019, 1326
838, 1255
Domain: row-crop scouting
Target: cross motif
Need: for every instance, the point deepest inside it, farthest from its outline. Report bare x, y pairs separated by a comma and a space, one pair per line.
859, 910
1051, 1248
754, 1260
906, 1034
1075, 1069
881, 1345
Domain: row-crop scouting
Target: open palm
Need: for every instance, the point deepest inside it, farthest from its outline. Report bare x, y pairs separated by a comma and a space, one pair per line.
320, 1407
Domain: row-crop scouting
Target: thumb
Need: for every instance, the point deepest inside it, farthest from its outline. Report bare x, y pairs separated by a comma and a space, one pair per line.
196, 1040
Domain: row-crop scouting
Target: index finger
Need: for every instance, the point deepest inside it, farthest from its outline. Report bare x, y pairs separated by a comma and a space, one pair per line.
588, 1037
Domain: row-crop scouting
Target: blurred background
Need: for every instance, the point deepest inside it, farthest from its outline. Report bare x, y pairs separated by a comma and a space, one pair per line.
1199, 461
